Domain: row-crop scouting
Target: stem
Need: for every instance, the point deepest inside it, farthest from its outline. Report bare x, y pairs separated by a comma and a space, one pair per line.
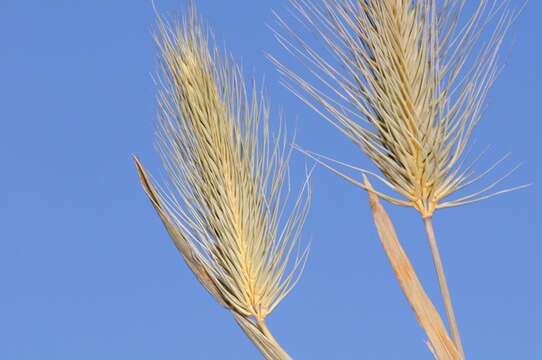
257, 331
445, 292
265, 331
278, 352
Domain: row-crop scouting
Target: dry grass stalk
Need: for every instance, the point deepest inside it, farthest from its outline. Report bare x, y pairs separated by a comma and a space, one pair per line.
439, 342
403, 80
225, 204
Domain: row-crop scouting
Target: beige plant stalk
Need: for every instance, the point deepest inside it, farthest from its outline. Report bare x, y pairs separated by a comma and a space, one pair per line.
225, 201
406, 81
440, 344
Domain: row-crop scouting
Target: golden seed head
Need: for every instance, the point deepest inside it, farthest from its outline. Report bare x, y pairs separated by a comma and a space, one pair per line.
225, 199
404, 82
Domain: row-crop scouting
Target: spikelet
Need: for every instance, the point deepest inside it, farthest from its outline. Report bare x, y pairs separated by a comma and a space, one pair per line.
225, 202
404, 81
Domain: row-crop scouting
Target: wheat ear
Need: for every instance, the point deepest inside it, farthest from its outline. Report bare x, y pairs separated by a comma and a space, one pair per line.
225, 202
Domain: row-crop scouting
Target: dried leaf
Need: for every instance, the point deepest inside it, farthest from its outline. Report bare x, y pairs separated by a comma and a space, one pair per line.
179, 240
429, 319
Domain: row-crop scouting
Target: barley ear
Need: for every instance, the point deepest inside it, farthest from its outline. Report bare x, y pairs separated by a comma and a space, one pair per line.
406, 81
226, 202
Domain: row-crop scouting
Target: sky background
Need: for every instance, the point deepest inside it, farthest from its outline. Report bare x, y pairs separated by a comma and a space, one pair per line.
88, 272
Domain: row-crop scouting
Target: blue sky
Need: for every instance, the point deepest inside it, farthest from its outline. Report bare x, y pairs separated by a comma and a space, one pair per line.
87, 271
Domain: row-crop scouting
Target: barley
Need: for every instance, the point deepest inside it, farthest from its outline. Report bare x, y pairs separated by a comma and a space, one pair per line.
406, 81
225, 201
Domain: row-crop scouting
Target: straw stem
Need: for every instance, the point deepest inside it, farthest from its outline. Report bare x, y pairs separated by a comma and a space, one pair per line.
444, 290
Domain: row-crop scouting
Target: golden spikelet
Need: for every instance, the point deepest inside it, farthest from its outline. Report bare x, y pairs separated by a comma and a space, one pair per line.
404, 82
225, 204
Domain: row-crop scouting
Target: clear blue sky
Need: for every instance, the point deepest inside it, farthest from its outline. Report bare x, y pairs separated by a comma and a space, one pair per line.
87, 271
